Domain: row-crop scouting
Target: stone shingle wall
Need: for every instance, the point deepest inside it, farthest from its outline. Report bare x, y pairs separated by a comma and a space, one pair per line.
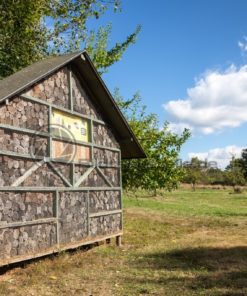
105, 225
72, 216
100, 201
69, 210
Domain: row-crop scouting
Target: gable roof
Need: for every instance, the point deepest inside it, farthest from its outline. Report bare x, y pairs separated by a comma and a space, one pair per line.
80, 61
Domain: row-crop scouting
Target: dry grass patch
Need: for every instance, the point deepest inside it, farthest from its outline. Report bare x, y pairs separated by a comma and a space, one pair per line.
170, 247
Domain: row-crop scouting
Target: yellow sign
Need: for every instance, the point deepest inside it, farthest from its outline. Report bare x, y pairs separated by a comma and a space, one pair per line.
69, 126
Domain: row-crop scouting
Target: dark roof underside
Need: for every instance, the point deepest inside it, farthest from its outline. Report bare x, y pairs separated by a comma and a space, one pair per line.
16, 83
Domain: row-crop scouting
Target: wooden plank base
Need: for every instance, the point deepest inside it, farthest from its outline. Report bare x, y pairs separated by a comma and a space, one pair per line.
56, 249
108, 241
118, 241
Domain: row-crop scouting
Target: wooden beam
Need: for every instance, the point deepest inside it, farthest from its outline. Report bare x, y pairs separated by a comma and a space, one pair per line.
14, 154
59, 174
27, 223
118, 241
57, 218
70, 91
121, 186
50, 132
53, 189
92, 140
42, 102
56, 249
23, 130
104, 176
84, 176
28, 173
88, 214
105, 213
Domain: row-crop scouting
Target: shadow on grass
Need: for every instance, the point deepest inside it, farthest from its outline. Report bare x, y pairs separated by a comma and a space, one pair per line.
23, 264
222, 270
211, 259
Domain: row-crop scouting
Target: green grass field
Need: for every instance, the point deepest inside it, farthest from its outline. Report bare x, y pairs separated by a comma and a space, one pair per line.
183, 243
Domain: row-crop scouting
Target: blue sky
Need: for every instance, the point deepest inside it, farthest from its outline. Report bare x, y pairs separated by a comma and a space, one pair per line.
193, 44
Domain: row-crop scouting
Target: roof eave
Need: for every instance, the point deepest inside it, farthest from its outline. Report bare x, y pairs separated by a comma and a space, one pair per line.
22, 80
132, 138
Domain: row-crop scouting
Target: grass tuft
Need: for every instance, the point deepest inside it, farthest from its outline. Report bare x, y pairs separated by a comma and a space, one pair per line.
180, 243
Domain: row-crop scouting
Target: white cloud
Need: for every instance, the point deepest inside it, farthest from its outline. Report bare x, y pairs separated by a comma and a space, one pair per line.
216, 102
221, 155
178, 128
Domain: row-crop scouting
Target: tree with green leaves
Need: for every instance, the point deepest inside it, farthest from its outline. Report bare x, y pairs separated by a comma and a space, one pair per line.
97, 44
234, 178
159, 170
23, 37
193, 173
234, 173
216, 176
31, 30
243, 162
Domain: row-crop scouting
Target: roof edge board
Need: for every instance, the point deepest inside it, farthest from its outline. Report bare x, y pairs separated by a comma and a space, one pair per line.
49, 72
115, 106
49, 66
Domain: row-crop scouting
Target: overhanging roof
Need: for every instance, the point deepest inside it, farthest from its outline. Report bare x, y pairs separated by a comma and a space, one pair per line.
21, 80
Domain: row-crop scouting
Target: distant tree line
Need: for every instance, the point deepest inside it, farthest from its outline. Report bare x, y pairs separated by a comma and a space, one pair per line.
199, 172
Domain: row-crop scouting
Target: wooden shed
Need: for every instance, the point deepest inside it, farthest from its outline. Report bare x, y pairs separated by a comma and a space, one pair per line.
62, 138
